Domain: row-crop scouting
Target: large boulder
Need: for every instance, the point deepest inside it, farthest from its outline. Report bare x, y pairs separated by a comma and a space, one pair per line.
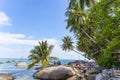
21, 64
54, 73
4, 76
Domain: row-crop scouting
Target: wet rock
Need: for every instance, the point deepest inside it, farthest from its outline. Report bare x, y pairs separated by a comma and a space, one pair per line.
8, 61
21, 64
4, 76
1, 62
14, 60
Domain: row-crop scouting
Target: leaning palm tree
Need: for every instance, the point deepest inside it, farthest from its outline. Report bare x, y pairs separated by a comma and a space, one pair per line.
77, 17
40, 53
68, 45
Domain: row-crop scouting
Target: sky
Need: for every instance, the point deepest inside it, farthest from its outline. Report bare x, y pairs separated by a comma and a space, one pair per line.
25, 22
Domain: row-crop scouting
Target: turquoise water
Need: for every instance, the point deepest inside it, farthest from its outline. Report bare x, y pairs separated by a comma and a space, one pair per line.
21, 73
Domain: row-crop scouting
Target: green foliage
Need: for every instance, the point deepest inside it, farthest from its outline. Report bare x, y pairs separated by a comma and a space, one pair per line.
40, 53
67, 43
52, 58
97, 29
105, 26
31, 64
76, 23
82, 3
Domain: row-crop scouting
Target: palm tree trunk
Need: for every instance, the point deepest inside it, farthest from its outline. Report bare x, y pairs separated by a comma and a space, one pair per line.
91, 38
78, 52
88, 35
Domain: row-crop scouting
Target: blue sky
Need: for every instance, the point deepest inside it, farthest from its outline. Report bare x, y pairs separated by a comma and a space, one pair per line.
25, 22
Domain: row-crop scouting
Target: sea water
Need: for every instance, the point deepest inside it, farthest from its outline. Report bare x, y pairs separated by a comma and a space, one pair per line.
21, 73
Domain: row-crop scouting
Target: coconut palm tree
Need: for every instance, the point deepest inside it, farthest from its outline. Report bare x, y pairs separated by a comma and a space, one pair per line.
77, 16
40, 53
76, 22
67, 45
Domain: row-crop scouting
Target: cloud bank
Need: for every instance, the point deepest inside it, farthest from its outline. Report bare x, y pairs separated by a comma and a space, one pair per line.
17, 45
20, 39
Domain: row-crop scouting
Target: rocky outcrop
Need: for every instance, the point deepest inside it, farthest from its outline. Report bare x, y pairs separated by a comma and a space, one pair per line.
1, 62
21, 64
14, 61
8, 61
4, 76
55, 73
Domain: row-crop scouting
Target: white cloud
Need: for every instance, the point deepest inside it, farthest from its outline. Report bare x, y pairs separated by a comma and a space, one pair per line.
4, 19
17, 45
13, 36
8, 38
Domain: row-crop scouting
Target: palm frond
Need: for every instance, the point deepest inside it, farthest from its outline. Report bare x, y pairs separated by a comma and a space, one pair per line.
67, 43
52, 58
40, 53
32, 64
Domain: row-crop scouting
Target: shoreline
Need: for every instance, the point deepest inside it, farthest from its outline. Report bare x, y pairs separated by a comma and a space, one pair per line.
18, 72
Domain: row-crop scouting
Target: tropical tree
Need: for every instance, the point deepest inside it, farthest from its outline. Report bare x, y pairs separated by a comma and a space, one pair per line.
40, 53
96, 29
76, 23
67, 45
105, 28
77, 15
